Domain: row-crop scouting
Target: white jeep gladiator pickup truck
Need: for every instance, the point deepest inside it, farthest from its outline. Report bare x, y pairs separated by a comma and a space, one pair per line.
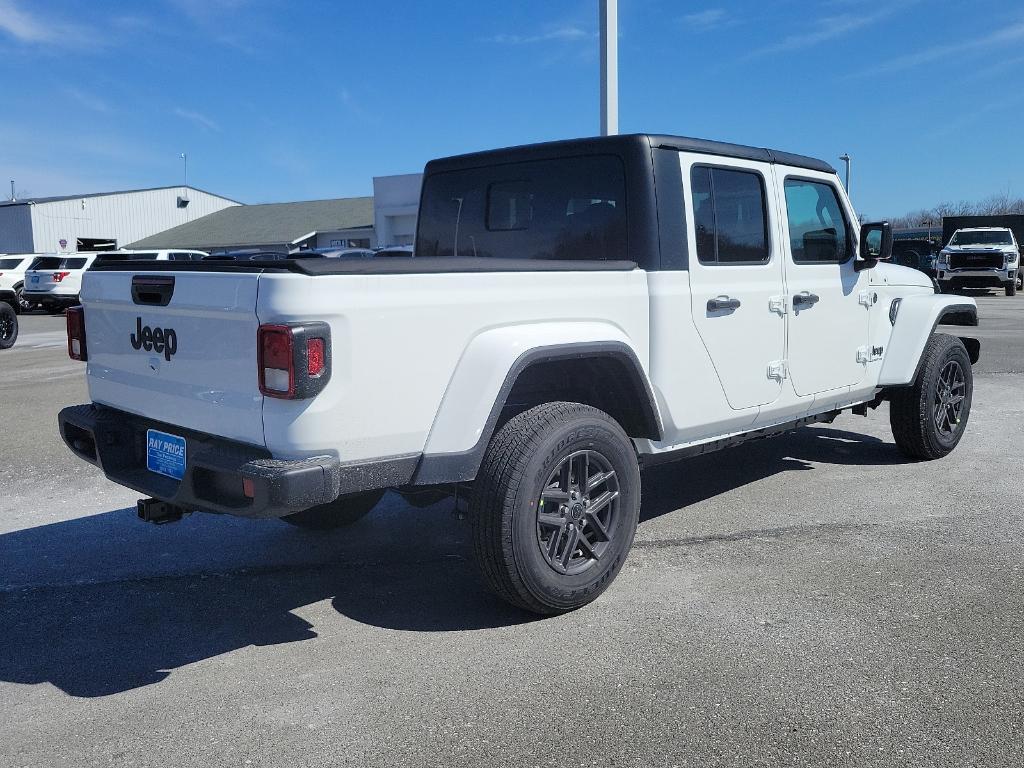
574, 312
980, 257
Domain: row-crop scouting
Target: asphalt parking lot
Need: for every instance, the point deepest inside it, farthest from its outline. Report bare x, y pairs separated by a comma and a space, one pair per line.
810, 600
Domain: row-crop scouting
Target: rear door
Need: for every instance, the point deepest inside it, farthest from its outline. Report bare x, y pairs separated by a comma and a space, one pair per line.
736, 280
829, 300
189, 362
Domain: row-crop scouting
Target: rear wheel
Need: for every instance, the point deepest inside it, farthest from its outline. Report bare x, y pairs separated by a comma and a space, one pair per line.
24, 305
929, 417
555, 507
8, 325
336, 514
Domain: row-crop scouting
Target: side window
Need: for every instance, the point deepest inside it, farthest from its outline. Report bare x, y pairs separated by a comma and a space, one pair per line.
818, 233
730, 216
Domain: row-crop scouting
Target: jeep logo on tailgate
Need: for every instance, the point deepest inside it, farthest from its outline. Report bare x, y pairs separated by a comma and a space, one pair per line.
163, 340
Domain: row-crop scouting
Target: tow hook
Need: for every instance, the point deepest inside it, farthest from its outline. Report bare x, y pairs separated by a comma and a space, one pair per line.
159, 512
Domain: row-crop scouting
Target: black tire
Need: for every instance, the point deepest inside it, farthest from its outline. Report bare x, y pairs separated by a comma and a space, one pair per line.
8, 325
919, 414
1011, 288
508, 517
336, 514
1020, 280
24, 305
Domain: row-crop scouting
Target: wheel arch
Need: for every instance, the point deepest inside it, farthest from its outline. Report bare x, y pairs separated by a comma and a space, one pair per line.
917, 319
546, 373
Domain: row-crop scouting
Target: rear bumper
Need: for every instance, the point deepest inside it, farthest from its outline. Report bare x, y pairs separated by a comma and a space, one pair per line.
48, 297
115, 441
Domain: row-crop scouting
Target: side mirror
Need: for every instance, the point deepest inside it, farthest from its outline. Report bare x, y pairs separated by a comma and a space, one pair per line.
875, 244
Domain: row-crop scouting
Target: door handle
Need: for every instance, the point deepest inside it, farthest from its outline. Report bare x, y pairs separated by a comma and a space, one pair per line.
805, 299
719, 303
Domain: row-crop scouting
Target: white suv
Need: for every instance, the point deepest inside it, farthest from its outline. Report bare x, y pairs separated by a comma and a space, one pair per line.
982, 257
12, 276
54, 281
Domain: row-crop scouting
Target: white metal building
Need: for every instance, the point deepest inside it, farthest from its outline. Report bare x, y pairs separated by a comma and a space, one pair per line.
396, 201
100, 220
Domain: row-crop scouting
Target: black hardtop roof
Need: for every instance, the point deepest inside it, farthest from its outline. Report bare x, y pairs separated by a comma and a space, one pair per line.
625, 143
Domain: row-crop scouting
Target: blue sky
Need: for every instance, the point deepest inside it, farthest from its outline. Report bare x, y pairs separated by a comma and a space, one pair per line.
275, 100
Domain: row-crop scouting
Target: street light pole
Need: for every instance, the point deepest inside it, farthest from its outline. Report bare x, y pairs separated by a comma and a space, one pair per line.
184, 158
846, 159
609, 24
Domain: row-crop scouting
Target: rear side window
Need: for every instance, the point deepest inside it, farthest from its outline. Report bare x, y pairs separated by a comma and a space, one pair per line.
9, 263
729, 215
818, 233
563, 209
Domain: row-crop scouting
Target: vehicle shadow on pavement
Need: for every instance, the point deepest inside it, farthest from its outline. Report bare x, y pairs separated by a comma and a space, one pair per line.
668, 487
103, 604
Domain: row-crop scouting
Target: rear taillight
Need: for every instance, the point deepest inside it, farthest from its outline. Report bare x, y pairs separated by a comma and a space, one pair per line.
77, 349
294, 360
58, 276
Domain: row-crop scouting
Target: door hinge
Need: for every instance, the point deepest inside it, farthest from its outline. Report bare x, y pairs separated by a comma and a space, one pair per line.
867, 298
869, 354
777, 304
778, 369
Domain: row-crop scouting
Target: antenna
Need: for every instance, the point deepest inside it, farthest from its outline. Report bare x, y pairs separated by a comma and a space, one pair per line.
13, 198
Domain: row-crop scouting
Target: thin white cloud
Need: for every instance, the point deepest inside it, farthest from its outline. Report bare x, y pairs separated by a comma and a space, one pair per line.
826, 29
199, 119
704, 20
565, 33
88, 100
1011, 34
32, 28
355, 107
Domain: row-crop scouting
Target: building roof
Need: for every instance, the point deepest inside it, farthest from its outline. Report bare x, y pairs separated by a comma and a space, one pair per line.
270, 223
59, 198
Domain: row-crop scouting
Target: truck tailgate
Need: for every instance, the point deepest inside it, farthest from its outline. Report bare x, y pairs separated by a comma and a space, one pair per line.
190, 363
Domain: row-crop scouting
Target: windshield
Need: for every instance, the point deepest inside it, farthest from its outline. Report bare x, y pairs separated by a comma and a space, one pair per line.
9, 263
987, 237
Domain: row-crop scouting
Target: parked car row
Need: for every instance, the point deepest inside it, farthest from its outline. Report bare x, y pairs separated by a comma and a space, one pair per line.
54, 281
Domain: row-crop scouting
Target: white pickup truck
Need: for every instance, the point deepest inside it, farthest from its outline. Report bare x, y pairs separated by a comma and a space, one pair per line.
980, 257
574, 312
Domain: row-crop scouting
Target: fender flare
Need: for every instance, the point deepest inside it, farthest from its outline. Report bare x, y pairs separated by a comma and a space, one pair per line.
916, 321
445, 460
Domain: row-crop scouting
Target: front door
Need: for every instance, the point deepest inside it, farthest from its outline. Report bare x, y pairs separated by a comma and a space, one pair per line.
828, 299
736, 279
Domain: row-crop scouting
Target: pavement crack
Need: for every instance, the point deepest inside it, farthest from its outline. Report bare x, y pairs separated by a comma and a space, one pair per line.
761, 533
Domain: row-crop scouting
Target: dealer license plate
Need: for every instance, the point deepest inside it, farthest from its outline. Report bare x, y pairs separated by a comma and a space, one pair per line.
165, 454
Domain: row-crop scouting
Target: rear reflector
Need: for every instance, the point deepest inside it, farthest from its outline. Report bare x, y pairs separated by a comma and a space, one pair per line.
77, 349
315, 357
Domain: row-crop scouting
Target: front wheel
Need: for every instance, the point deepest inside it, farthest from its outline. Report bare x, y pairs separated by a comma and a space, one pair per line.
929, 417
555, 507
1011, 288
8, 325
336, 514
